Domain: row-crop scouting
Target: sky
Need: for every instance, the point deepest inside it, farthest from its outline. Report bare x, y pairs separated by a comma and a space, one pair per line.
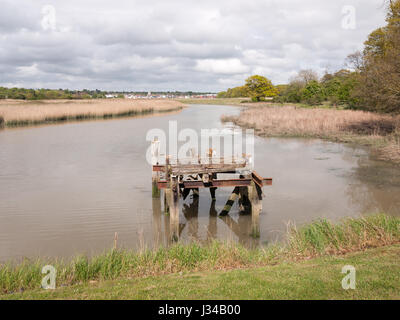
176, 45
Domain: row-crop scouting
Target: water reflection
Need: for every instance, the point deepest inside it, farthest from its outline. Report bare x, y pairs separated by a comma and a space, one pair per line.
239, 224
374, 186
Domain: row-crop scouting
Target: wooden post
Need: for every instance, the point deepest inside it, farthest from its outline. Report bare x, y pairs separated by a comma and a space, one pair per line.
167, 234
155, 191
196, 191
244, 202
212, 222
230, 202
167, 196
155, 154
157, 229
212, 190
255, 197
174, 209
212, 193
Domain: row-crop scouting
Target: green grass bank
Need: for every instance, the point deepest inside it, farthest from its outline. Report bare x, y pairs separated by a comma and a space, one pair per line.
321, 240
377, 277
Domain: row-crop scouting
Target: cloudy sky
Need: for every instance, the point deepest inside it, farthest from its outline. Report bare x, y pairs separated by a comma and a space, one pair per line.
176, 45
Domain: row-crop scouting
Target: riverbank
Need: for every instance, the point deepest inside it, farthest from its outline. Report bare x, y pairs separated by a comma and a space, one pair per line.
217, 101
15, 113
321, 243
377, 277
381, 132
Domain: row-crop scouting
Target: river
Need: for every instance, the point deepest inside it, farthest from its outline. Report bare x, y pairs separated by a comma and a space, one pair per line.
66, 189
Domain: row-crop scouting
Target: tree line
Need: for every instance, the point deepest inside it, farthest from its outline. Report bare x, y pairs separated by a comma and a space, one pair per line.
43, 94
50, 94
371, 82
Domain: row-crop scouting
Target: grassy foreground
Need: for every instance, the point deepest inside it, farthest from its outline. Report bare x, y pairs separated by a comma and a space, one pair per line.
26, 113
377, 277
320, 239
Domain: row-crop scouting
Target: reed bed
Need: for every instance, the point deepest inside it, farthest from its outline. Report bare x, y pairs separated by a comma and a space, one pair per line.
26, 113
380, 131
316, 239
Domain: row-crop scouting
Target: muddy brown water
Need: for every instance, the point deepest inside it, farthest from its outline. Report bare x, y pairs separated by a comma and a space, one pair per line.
66, 189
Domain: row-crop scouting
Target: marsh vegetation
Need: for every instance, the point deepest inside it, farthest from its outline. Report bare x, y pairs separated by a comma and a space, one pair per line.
377, 130
22, 113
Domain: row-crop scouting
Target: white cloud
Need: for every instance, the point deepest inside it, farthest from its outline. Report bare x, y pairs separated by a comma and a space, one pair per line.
28, 71
183, 45
222, 66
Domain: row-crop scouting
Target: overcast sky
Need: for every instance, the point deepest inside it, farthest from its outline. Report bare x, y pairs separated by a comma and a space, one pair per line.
175, 45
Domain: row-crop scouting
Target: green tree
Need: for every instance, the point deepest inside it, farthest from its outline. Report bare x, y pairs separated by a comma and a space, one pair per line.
338, 87
221, 94
260, 87
313, 93
378, 88
376, 43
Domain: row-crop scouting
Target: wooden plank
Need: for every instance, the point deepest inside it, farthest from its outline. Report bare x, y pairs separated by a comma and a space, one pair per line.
267, 181
212, 184
200, 167
257, 178
260, 180
158, 168
205, 169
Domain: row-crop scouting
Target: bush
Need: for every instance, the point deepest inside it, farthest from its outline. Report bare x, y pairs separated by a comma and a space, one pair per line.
313, 93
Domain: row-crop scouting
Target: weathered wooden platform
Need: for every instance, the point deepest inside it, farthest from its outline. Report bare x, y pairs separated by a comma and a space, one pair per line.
177, 179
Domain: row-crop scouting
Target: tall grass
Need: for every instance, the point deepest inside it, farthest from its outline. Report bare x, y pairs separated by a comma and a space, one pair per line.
316, 122
324, 237
380, 131
319, 238
26, 113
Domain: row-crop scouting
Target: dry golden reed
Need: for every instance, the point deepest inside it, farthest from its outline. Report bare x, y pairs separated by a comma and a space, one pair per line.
17, 113
381, 131
302, 121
